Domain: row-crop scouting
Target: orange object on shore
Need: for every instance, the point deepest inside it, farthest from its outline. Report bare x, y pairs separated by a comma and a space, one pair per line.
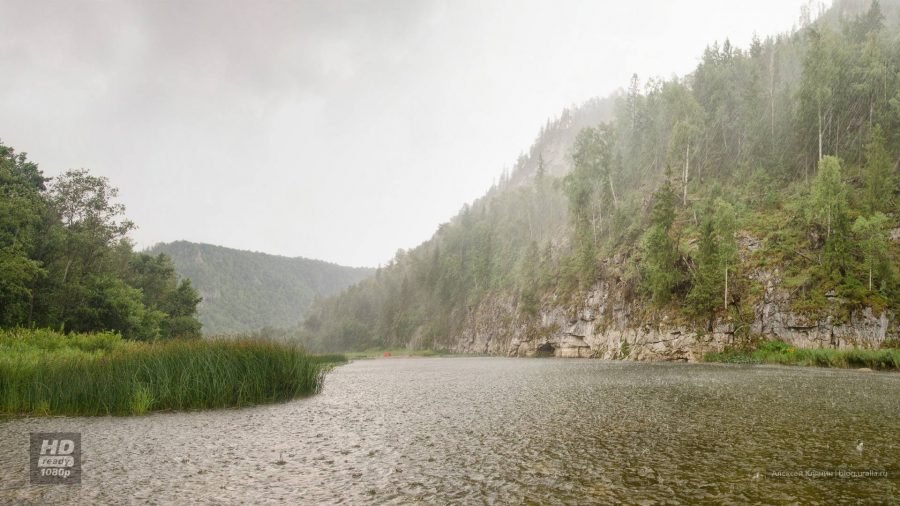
387, 354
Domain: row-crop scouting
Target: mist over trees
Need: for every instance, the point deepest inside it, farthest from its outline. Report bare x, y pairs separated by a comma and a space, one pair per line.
246, 291
793, 142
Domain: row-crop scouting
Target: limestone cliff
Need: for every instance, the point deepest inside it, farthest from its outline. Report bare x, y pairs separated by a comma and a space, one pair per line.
604, 323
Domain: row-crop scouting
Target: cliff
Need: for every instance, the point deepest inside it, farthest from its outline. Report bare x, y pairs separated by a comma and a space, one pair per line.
604, 325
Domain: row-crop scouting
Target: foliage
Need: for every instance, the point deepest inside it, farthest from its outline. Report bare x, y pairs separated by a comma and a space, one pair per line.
827, 209
660, 250
22, 211
715, 259
66, 261
873, 242
591, 196
878, 175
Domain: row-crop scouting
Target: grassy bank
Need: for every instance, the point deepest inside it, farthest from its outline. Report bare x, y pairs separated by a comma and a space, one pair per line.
779, 352
46, 373
398, 352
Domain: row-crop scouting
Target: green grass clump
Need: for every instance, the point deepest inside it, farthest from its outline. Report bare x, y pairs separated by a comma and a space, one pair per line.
779, 352
141, 400
730, 357
44, 372
330, 358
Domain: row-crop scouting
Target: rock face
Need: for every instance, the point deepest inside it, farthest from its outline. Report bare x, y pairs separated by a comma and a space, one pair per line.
603, 325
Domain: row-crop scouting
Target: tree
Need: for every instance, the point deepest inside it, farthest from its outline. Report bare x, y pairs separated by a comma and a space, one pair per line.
877, 172
634, 95
585, 187
683, 136
91, 219
715, 259
90, 242
827, 210
819, 73
589, 186
828, 199
706, 282
872, 21
873, 241
87, 202
529, 278
108, 303
660, 251
541, 169
180, 308
160, 290
726, 225
22, 216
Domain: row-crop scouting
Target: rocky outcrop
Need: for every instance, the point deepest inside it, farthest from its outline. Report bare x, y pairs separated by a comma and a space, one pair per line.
774, 318
604, 325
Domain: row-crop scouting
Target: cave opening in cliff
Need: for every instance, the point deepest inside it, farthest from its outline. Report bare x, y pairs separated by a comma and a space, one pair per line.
546, 350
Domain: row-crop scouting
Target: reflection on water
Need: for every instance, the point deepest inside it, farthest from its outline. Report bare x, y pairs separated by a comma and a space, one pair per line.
489, 430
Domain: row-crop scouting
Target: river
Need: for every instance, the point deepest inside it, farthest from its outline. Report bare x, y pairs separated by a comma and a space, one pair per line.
508, 431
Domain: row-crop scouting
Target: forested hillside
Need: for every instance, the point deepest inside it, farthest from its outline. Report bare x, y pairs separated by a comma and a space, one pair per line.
780, 157
244, 291
66, 261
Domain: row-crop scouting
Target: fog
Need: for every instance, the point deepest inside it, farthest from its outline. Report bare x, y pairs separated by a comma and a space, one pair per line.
333, 130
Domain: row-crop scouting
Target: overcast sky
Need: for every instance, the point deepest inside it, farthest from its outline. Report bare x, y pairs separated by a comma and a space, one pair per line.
333, 130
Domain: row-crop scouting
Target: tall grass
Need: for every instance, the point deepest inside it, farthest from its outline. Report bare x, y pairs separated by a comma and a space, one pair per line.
779, 352
44, 372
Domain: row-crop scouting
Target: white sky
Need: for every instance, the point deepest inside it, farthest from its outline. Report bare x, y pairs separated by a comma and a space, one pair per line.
333, 130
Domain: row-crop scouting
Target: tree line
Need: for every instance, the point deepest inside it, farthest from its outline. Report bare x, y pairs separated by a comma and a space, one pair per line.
66, 261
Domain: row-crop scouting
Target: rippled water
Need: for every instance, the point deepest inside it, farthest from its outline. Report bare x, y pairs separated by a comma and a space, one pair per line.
490, 430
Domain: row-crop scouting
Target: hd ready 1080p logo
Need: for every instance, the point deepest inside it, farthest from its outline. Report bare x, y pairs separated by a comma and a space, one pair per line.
55, 458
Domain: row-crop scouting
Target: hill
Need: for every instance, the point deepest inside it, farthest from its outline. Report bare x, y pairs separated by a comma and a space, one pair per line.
244, 291
753, 198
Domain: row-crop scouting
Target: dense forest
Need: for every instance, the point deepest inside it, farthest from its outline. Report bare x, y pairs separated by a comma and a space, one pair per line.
245, 291
66, 262
792, 143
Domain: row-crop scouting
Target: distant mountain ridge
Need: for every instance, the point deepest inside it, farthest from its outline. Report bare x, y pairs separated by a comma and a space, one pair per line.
244, 291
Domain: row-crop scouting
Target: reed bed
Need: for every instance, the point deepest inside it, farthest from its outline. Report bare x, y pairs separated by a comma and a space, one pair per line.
47, 373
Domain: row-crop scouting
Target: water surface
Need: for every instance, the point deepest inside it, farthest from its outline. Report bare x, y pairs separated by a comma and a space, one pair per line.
491, 430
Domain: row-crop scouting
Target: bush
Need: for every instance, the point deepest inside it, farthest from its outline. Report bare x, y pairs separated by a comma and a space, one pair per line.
775, 346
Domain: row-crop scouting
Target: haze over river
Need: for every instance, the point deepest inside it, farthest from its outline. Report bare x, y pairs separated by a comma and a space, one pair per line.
492, 430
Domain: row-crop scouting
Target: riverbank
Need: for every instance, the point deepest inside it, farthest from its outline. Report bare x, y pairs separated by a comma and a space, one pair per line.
779, 352
437, 431
43, 372
400, 353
